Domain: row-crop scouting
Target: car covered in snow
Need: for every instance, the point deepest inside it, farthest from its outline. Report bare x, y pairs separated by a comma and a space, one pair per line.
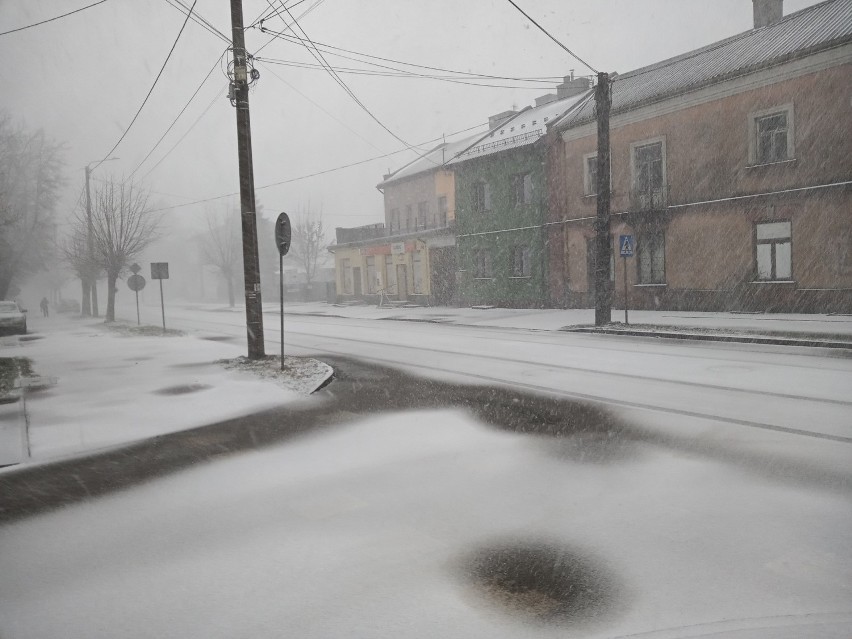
12, 318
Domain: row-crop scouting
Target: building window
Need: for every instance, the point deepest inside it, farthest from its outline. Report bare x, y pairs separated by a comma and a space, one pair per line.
522, 188
394, 219
443, 211
521, 263
648, 167
418, 272
771, 135
422, 214
482, 264
390, 275
590, 174
346, 266
408, 217
481, 196
652, 258
371, 274
773, 250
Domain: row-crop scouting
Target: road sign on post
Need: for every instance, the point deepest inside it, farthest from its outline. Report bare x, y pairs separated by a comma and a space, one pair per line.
626, 247
160, 271
136, 283
283, 235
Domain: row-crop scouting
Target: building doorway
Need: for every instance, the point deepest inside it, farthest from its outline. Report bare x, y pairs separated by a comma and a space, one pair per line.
356, 281
402, 281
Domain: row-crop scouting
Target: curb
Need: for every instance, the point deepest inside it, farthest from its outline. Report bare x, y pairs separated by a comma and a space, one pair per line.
710, 337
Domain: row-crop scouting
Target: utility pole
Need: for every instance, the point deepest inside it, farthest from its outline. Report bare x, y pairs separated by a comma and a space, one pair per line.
603, 294
251, 262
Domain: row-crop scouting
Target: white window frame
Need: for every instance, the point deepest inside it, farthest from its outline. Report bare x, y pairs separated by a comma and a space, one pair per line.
525, 262
773, 243
661, 140
643, 253
754, 116
588, 189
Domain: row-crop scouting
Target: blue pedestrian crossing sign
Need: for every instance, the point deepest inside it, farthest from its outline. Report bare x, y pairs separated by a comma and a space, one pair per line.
626, 245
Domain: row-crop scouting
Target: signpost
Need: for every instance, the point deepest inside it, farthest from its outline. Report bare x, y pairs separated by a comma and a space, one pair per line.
160, 271
136, 283
283, 235
626, 247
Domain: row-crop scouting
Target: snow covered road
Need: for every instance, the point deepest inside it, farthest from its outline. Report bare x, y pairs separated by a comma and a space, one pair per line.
791, 389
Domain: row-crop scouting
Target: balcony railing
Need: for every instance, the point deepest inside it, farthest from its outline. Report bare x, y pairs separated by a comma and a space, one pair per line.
649, 199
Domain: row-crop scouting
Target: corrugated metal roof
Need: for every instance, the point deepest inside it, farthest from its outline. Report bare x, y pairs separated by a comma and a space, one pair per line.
815, 28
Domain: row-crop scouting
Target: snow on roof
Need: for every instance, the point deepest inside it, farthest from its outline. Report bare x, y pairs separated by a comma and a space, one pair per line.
523, 129
431, 160
819, 27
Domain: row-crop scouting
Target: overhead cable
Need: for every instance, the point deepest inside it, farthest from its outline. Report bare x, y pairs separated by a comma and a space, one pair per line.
151, 90
185, 106
547, 33
318, 173
199, 20
35, 24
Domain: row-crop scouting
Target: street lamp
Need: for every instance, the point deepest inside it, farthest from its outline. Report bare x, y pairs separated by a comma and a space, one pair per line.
90, 288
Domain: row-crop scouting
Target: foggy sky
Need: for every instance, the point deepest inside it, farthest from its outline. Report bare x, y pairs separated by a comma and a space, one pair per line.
83, 77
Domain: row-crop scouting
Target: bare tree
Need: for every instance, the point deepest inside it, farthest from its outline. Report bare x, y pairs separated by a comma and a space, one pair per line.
30, 179
122, 228
222, 247
308, 241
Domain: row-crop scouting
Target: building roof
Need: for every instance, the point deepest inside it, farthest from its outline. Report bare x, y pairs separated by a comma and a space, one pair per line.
429, 161
819, 27
523, 129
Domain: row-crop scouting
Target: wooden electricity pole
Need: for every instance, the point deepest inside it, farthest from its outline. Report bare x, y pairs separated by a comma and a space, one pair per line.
251, 262
603, 294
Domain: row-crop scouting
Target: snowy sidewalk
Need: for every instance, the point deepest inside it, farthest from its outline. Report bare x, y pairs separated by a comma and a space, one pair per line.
107, 387
803, 329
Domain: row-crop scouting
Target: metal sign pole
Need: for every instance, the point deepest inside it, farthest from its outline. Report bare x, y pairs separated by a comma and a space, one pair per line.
625, 289
137, 308
163, 305
281, 297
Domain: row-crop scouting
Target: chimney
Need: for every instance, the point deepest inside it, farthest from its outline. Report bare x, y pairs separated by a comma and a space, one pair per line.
572, 86
767, 12
546, 99
496, 120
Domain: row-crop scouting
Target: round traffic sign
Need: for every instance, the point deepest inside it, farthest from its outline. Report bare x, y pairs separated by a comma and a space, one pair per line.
136, 282
283, 233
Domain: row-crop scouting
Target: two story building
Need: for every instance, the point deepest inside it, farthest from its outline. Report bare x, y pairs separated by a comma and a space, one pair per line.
502, 200
732, 167
412, 255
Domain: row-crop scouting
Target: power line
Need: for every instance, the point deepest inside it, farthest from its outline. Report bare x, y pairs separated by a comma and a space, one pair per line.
192, 126
547, 33
154, 148
323, 109
318, 173
151, 90
35, 24
393, 73
464, 74
321, 59
199, 20
290, 25
266, 14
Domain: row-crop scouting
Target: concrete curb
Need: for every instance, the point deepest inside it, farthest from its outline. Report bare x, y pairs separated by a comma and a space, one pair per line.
810, 341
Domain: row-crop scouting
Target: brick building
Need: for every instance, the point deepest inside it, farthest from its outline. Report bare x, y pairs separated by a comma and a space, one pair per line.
731, 165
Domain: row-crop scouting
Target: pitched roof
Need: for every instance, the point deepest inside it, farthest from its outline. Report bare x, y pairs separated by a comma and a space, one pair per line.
429, 161
819, 27
523, 129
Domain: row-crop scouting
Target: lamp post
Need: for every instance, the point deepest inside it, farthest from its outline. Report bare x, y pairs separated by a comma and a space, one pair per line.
90, 286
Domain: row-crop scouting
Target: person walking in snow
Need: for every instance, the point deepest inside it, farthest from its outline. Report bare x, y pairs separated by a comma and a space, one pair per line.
43, 305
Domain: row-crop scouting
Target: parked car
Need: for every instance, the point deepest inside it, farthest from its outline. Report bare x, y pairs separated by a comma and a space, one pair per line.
68, 306
13, 318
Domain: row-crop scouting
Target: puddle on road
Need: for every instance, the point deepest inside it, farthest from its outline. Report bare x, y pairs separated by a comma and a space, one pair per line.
182, 389
542, 582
